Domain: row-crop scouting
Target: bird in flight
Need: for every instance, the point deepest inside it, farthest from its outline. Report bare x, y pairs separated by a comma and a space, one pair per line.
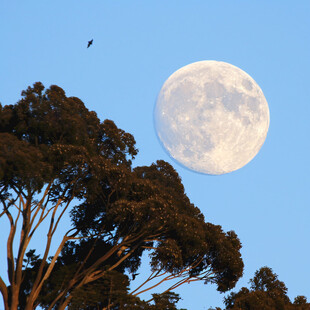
90, 43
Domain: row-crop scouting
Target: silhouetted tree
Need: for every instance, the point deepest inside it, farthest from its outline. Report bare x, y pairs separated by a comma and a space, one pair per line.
300, 303
266, 292
56, 157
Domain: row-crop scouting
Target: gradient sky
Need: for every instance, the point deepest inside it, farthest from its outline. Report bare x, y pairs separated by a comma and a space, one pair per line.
137, 46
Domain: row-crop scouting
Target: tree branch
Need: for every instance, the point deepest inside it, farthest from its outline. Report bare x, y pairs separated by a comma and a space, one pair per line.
183, 273
35, 292
10, 240
5, 294
39, 281
153, 275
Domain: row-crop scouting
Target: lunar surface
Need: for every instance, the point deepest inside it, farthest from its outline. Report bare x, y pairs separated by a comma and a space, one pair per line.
211, 117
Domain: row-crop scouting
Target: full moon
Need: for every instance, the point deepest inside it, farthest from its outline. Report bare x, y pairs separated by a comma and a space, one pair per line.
211, 117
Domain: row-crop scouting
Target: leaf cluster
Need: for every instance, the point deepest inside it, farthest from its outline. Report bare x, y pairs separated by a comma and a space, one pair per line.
148, 209
48, 136
266, 292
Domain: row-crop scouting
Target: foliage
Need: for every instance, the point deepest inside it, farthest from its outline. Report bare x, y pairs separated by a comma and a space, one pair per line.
57, 157
266, 292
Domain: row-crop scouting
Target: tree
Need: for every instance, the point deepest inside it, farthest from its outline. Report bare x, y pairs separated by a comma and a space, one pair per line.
266, 292
300, 303
57, 157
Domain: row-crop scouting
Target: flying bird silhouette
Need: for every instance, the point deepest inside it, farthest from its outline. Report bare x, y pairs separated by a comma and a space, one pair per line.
90, 43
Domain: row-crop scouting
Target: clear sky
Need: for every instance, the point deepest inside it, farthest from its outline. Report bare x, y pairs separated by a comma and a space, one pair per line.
137, 46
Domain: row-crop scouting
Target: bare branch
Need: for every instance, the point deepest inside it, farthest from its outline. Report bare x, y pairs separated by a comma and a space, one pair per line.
153, 275
12, 203
39, 206
5, 294
39, 281
35, 292
184, 273
61, 215
41, 219
10, 255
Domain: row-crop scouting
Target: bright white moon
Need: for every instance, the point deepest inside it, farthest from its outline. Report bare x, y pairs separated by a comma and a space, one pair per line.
211, 117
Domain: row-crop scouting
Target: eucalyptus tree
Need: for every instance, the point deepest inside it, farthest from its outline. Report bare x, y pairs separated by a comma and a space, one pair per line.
57, 157
266, 292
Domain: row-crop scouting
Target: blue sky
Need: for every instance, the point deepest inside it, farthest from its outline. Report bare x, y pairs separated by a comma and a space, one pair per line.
137, 46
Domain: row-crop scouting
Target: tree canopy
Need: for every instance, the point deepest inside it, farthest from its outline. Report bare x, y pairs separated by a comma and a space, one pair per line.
56, 156
266, 292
